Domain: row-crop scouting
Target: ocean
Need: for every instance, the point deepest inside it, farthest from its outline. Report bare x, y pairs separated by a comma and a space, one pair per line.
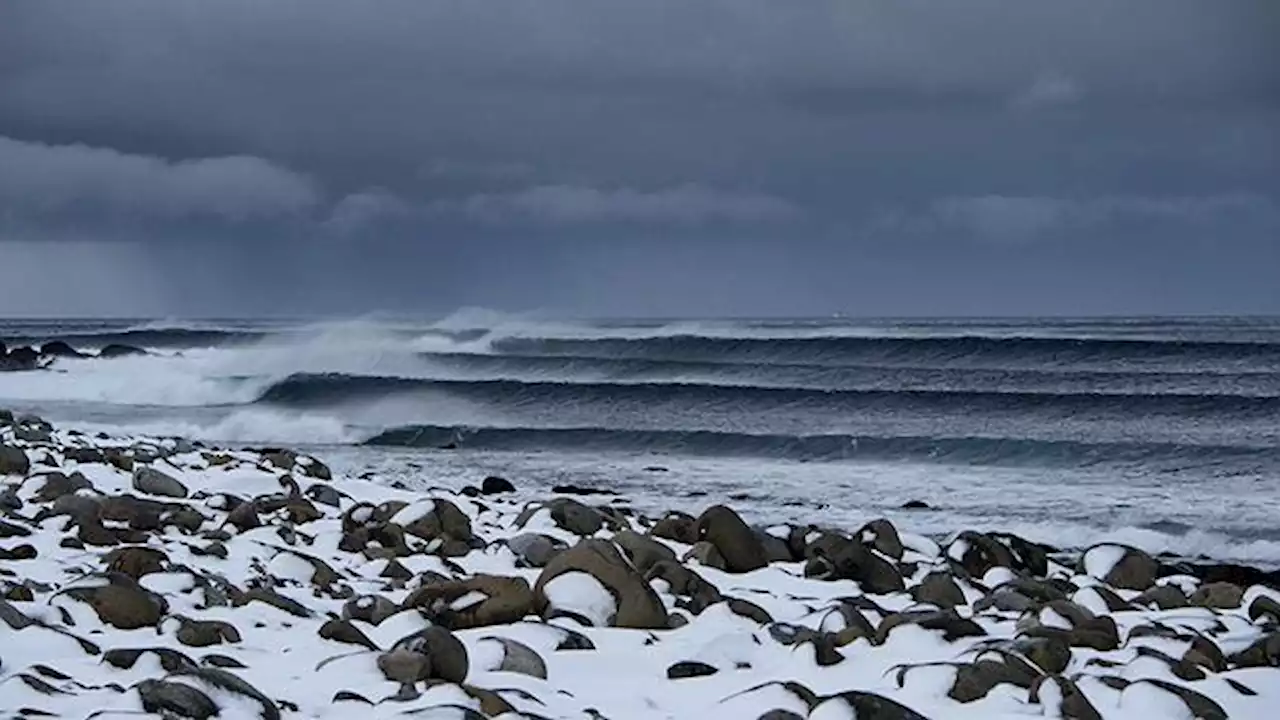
1159, 432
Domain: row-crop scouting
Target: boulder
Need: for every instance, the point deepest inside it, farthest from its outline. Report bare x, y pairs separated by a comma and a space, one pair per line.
534, 550
480, 601
883, 536
638, 606
122, 603
203, 633
575, 517
1120, 566
737, 543
643, 552
1221, 595
372, 609
13, 461
135, 561
174, 699
939, 588
841, 558
677, 526
446, 655
445, 520
151, 481
344, 631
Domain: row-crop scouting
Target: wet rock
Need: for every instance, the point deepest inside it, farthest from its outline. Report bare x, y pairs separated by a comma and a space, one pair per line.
690, 669
151, 481
480, 601
916, 505
493, 485
734, 539
638, 606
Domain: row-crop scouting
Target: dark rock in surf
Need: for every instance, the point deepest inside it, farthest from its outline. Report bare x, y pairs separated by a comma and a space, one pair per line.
58, 348
916, 505
493, 485
116, 350
580, 490
20, 358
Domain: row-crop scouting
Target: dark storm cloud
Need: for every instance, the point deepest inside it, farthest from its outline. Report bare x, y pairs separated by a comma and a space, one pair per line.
806, 136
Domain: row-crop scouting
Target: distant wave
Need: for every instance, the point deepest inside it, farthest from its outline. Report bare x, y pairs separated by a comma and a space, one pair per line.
844, 349
963, 450
870, 376
319, 390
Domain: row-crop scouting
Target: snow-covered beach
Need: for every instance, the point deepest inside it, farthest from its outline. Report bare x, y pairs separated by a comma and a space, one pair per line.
143, 574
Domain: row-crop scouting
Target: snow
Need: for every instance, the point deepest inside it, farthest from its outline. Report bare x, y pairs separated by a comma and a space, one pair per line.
623, 678
1100, 560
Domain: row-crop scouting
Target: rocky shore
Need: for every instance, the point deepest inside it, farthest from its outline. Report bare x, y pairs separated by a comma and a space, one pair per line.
160, 576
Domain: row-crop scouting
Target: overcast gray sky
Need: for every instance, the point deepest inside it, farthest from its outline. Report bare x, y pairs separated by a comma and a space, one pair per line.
669, 157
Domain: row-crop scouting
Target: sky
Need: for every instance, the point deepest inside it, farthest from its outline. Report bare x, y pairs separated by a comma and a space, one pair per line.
639, 157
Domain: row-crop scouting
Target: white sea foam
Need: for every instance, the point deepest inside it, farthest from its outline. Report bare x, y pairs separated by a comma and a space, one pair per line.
251, 425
